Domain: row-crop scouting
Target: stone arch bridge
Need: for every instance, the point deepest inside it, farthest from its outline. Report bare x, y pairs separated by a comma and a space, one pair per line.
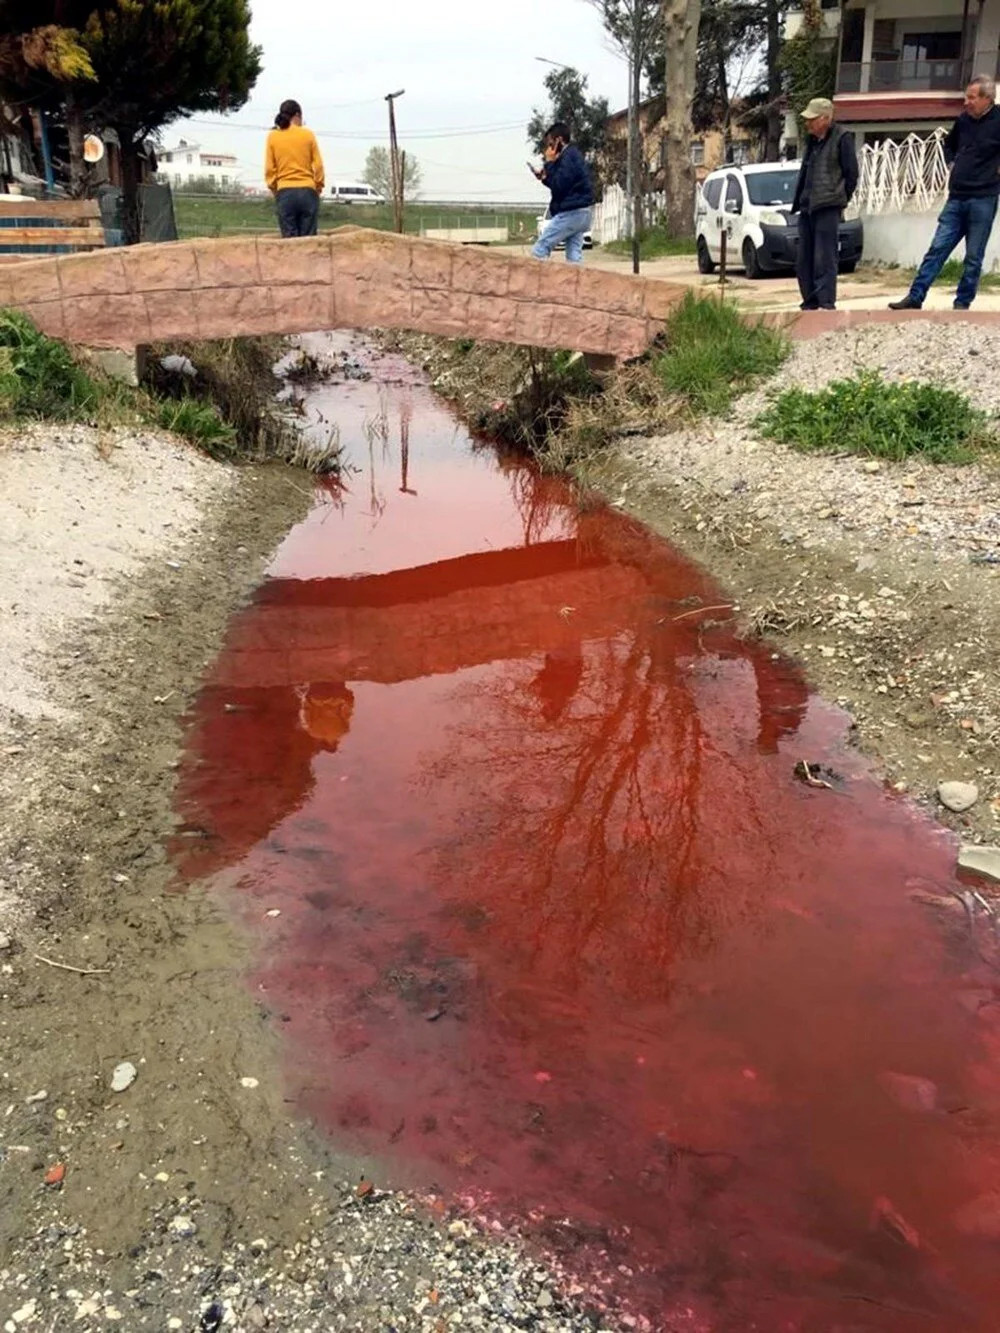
347, 278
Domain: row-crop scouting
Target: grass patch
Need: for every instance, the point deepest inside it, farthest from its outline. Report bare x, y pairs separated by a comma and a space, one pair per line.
713, 353
39, 377
654, 244
952, 271
866, 415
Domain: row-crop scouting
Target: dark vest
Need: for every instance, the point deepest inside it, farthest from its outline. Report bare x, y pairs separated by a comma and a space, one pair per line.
826, 178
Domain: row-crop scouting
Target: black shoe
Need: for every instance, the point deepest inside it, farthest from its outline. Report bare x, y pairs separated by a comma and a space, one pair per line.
957, 305
907, 303
808, 305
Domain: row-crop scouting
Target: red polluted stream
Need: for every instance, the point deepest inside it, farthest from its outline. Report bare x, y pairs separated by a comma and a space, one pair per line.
560, 934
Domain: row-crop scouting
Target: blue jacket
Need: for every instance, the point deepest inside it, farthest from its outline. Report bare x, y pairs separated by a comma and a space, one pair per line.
569, 180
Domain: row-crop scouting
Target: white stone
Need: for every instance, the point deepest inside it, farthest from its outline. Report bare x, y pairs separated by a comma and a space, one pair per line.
980, 860
123, 1077
958, 796
182, 1226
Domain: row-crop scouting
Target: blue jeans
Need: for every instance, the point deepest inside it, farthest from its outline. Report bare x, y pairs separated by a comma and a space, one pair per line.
298, 211
569, 227
970, 220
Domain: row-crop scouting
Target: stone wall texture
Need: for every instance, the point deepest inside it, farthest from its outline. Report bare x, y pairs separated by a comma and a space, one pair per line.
349, 278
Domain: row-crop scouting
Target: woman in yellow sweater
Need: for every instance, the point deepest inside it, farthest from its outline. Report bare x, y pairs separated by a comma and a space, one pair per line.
293, 170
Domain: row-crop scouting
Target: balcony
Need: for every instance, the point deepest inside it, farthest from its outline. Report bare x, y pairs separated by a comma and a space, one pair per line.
914, 76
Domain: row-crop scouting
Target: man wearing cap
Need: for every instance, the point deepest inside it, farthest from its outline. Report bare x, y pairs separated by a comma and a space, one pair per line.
827, 180
972, 149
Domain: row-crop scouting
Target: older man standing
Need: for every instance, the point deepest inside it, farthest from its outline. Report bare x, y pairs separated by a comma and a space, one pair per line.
972, 147
827, 180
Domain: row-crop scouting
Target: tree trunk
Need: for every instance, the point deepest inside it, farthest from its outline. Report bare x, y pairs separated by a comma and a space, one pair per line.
74, 132
772, 135
131, 207
681, 18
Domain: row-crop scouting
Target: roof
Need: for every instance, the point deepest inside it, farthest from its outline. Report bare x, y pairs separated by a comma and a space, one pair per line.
758, 168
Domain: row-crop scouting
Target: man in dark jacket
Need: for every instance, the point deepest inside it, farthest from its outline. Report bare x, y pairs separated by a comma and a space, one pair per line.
827, 180
570, 212
972, 148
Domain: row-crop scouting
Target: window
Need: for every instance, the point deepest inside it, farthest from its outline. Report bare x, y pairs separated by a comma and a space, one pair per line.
712, 190
225, 180
739, 154
697, 153
772, 187
168, 157
931, 46
190, 159
734, 194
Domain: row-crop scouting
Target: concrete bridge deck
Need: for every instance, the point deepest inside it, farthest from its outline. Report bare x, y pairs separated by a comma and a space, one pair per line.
348, 278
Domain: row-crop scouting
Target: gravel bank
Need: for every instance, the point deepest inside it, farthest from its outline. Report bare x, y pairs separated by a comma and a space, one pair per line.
882, 577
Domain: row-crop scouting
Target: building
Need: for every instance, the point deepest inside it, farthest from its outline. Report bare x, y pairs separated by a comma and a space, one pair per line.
903, 64
189, 163
710, 149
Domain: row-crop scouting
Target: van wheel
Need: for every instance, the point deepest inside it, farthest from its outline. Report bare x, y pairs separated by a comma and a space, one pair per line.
705, 262
751, 261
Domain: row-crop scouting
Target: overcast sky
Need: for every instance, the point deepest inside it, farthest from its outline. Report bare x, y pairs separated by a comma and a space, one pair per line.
463, 66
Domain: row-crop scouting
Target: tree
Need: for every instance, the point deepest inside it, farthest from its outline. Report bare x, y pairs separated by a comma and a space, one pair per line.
43, 62
378, 173
633, 26
681, 22
155, 62
586, 116
808, 61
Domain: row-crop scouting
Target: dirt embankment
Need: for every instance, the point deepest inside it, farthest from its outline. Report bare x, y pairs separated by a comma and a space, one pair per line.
883, 579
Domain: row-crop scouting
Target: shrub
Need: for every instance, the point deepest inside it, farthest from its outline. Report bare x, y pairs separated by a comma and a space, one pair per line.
199, 422
865, 415
713, 353
38, 376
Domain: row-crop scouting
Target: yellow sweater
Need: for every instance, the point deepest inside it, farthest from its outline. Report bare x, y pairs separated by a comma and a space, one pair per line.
293, 160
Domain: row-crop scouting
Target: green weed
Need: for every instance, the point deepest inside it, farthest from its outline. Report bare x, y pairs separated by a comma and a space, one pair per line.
655, 243
866, 415
952, 271
38, 376
713, 353
199, 422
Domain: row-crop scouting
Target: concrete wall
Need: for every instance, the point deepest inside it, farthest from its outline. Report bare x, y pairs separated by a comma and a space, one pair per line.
903, 238
349, 278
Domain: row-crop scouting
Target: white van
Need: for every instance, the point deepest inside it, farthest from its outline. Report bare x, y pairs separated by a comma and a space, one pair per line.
355, 192
752, 205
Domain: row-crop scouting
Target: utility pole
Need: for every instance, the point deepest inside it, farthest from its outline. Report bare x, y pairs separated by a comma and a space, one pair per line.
394, 162
635, 144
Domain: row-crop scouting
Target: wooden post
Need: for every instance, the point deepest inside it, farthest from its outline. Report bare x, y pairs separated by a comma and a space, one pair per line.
722, 256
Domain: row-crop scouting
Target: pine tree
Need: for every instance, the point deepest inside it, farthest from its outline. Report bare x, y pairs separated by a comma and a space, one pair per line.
157, 60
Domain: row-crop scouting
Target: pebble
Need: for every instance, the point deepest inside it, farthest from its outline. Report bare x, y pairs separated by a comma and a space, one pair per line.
35, 1097
980, 860
958, 796
183, 1226
123, 1077
5, 942
872, 466
249, 1083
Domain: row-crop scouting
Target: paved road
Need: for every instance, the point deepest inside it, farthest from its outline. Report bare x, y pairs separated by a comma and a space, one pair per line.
780, 292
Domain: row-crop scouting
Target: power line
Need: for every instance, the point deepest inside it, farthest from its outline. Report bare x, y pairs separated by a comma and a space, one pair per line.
451, 132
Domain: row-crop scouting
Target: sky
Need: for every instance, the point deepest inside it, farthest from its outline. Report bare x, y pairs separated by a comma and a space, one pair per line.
469, 73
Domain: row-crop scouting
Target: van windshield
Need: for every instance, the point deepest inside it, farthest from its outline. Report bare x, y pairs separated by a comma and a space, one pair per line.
772, 187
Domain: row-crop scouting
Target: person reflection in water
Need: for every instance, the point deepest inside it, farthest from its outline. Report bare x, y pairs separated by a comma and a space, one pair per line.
559, 680
325, 712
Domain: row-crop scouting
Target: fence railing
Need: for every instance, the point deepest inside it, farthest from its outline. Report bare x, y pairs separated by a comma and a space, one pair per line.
611, 215
906, 177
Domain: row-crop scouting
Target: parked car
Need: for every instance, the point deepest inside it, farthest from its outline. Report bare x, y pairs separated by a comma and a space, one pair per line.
355, 192
752, 205
544, 218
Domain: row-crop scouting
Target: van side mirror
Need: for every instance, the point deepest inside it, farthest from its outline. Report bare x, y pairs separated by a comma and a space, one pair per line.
734, 206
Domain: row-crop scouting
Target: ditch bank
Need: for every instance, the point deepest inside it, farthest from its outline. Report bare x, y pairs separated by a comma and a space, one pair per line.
882, 578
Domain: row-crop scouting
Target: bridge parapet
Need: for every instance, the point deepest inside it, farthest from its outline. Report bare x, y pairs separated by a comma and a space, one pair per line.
348, 278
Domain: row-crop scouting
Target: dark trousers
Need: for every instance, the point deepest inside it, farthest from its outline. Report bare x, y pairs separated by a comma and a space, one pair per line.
816, 265
298, 212
968, 220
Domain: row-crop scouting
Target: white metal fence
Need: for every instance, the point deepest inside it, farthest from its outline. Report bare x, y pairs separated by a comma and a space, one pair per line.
611, 215
907, 177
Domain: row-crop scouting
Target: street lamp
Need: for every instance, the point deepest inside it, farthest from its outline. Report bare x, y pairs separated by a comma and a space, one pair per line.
394, 163
558, 63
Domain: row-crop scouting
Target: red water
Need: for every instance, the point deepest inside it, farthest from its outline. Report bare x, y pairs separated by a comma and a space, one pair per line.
560, 934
